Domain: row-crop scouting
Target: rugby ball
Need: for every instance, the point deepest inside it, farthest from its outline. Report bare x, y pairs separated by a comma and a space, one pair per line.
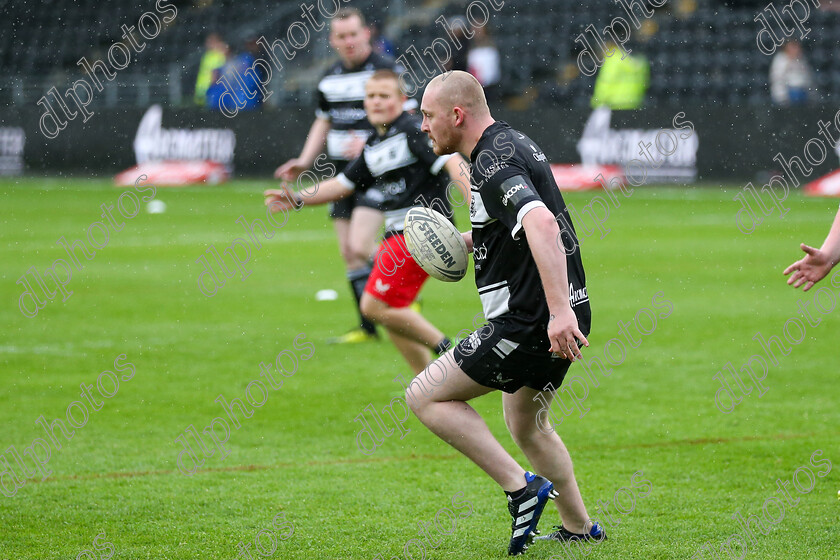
435, 244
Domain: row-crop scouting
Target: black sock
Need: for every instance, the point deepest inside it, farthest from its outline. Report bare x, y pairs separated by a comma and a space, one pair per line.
443, 346
358, 279
517, 493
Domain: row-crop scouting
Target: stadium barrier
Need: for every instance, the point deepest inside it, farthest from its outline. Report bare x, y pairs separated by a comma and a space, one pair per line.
738, 150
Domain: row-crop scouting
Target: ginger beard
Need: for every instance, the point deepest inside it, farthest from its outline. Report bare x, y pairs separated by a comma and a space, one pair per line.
439, 124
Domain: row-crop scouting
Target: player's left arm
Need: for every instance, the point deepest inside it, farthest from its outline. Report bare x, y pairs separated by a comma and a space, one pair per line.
541, 230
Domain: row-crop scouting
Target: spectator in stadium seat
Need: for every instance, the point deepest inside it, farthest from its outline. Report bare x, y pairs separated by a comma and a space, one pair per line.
243, 62
379, 42
622, 81
459, 55
244, 89
484, 62
817, 263
791, 77
214, 57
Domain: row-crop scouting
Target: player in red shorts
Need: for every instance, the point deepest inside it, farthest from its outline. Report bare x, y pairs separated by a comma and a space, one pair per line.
399, 170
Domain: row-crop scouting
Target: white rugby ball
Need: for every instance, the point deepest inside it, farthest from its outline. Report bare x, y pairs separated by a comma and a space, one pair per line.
435, 244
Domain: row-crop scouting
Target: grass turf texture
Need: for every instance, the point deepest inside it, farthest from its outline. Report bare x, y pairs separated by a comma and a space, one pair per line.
297, 454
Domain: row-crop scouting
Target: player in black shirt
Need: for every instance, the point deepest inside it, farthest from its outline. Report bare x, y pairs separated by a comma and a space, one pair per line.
398, 170
340, 122
532, 287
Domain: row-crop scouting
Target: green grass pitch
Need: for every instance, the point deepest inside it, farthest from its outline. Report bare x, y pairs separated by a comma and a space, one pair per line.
297, 454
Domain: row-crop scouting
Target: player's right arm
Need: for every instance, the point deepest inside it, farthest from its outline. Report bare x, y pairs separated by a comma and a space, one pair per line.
355, 176
285, 198
817, 263
315, 142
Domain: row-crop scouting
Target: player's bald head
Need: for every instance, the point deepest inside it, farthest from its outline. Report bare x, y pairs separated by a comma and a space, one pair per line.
458, 89
455, 112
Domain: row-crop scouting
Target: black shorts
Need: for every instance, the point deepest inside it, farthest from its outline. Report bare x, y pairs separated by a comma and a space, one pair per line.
343, 208
508, 354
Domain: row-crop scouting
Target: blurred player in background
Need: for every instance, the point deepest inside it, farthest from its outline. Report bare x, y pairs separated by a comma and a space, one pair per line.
340, 122
399, 170
534, 297
817, 263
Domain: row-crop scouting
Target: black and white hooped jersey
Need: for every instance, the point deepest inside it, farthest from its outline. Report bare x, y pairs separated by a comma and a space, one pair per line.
510, 176
399, 170
341, 96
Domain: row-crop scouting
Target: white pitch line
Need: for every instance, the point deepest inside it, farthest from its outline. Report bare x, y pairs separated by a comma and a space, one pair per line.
220, 241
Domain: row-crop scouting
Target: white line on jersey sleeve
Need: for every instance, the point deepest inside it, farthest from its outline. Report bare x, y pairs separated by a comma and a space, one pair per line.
521, 214
345, 181
439, 163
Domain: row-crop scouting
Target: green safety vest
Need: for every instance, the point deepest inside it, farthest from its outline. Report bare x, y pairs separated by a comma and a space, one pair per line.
621, 84
209, 62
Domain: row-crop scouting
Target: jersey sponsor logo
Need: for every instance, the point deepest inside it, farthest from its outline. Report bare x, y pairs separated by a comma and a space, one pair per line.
494, 168
389, 154
345, 87
394, 188
538, 155
577, 296
512, 191
348, 115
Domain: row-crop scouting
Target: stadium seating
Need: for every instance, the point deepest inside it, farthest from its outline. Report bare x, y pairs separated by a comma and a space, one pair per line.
708, 53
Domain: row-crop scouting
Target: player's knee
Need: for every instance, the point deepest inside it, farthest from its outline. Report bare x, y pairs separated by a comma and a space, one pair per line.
370, 308
511, 426
347, 257
416, 400
525, 430
345, 249
411, 401
357, 253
